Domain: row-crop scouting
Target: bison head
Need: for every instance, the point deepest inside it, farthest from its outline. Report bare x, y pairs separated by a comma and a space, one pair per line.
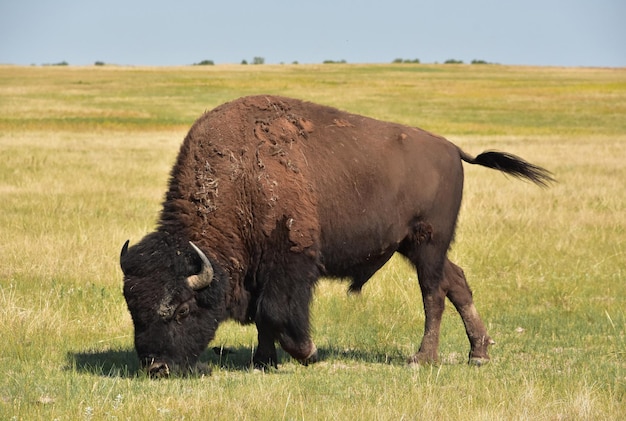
175, 300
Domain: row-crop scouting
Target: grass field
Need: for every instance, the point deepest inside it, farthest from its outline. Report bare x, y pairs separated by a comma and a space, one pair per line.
85, 155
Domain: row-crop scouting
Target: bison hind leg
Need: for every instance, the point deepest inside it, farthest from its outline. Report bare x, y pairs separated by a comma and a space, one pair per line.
460, 294
426, 247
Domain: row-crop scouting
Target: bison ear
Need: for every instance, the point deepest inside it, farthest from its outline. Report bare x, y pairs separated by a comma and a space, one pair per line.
205, 276
122, 254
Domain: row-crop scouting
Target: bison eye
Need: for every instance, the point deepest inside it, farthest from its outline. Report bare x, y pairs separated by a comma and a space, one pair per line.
182, 312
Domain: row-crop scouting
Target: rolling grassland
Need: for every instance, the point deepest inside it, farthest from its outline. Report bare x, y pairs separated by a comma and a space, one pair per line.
84, 159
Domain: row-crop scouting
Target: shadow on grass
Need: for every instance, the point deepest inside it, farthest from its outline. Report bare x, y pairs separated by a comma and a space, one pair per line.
108, 363
241, 358
124, 362
392, 356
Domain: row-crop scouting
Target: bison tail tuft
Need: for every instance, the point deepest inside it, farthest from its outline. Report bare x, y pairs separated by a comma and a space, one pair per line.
512, 165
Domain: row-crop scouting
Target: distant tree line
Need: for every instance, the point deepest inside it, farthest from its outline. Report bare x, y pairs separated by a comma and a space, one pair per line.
261, 60
402, 60
449, 61
255, 60
205, 63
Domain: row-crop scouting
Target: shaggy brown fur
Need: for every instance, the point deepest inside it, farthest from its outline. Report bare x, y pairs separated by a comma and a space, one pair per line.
278, 192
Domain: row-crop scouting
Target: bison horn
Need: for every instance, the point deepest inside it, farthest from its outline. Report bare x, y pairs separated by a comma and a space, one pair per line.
122, 254
204, 278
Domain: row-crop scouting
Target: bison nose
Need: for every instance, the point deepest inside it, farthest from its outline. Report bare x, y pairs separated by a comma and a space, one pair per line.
158, 370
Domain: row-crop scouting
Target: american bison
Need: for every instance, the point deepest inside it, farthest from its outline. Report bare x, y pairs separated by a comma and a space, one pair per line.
267, 195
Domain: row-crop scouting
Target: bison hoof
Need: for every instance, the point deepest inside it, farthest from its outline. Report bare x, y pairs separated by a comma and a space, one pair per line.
264, 367
479, 355
478, 361
264, 364
423, 359
158, 370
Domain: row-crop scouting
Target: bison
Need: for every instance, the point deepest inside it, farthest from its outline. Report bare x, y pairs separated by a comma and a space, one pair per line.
267, 195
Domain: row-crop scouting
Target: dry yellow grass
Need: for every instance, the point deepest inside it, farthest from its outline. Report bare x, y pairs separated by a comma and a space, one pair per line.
85, 158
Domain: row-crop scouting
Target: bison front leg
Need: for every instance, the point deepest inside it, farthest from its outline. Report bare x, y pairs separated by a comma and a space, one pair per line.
283, 315
293, 327
460, 295
301, 347
265, 355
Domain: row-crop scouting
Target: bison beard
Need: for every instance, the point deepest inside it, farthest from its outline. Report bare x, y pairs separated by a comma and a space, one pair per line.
269, 194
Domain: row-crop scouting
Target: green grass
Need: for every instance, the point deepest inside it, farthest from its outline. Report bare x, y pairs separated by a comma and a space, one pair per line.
85, 155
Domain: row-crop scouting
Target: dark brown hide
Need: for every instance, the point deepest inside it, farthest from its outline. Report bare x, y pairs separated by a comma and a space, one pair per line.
278, 192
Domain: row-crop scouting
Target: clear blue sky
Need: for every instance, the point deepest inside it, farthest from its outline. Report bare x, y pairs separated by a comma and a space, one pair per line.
174, 32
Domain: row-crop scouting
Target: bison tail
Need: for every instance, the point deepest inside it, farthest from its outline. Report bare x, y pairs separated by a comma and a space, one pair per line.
512, 165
